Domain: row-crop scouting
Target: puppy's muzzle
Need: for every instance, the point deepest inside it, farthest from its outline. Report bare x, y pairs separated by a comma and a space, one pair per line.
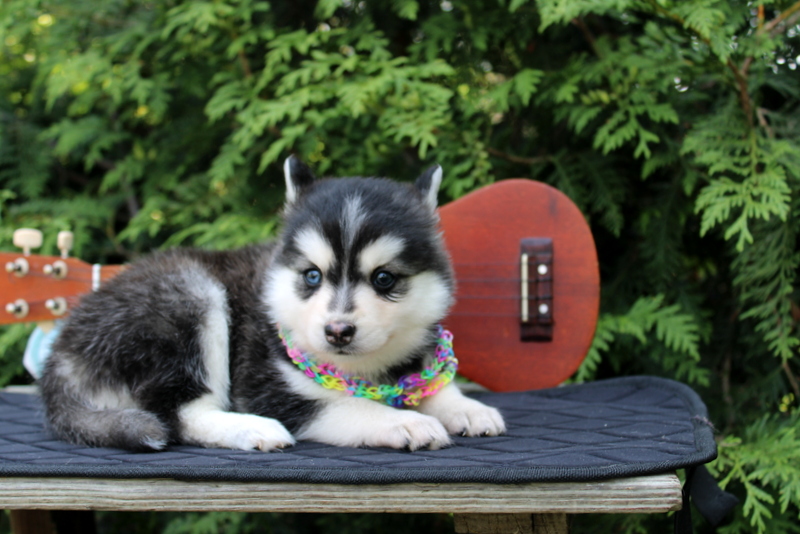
339, 333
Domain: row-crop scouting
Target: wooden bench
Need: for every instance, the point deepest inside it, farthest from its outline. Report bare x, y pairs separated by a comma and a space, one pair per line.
516, 230
477, 508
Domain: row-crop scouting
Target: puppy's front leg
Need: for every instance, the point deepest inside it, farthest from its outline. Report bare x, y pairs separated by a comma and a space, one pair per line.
358, 422
204, 423
462, 415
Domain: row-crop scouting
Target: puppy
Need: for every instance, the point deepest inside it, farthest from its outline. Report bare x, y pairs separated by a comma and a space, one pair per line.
329, 334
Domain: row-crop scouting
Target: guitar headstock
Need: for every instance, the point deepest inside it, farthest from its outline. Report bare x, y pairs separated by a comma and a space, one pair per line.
42, 288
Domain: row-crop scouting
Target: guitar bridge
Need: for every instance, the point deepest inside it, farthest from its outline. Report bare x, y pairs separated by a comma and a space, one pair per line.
536, 289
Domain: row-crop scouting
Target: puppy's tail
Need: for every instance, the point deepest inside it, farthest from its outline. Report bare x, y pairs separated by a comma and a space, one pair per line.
131, 429
73, 417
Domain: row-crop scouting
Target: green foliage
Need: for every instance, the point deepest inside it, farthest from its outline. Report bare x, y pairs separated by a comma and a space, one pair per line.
671, 124
748, 175
676, 333
13, 342
766, 462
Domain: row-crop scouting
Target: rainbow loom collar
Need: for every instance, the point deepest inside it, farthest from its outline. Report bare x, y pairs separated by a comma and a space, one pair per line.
409, 389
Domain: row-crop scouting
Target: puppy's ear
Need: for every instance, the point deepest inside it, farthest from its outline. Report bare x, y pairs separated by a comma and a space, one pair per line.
428, 184
298, 177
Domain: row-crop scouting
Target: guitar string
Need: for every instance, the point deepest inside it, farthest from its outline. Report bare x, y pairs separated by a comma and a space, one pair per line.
67, 278
502, 297
501, 280
490, 263
515, 315
467, 264
498, 280
72, 299
79, 269
458, 296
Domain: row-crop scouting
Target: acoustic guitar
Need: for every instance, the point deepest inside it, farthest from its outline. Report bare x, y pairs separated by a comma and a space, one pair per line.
528, 285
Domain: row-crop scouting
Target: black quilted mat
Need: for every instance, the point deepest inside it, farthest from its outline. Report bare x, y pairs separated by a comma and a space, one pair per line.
606, 429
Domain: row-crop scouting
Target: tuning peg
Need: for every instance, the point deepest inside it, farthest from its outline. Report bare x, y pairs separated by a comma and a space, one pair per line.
18, 267
58, 269
57, 306
64, 242
19, 308
26, 239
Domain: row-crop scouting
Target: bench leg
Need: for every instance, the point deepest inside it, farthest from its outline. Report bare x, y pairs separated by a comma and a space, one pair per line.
550, 524
56, 522
32, 522
511, 524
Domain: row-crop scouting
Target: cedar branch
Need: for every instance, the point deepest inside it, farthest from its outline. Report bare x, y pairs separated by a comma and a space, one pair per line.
792, 379
587, 34
518, 159
782, 16
248, 72
740, 75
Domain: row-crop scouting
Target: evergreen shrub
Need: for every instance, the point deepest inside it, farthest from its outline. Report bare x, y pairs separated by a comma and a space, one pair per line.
673, 124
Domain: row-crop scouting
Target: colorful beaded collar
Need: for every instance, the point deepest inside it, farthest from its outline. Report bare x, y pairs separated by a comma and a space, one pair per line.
409, 389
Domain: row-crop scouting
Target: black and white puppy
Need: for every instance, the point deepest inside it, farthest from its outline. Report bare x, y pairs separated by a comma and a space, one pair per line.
183, 347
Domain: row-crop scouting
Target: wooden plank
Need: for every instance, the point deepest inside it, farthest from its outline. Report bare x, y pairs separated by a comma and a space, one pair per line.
653, 494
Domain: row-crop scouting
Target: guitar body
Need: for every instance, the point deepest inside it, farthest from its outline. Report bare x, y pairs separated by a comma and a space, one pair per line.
483, 231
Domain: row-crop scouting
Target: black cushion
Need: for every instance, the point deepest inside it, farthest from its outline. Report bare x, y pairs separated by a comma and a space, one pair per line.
605, 429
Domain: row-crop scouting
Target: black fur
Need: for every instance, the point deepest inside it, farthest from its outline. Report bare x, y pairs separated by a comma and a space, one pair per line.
400, 213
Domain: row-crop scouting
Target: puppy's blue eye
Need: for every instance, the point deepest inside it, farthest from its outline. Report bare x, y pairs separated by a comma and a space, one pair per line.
383, 280
313, 277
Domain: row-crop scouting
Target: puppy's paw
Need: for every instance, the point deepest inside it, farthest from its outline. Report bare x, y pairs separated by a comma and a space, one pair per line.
230, 430
412, 431
261, 433
468, 417
354, 422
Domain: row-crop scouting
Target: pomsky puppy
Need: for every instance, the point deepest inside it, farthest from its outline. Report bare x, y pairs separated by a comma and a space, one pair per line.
185, 346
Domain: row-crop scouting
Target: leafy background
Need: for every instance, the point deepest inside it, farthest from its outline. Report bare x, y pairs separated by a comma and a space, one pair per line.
672, 124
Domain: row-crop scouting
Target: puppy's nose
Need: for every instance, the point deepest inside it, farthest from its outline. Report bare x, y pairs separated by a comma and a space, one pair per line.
339, 333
